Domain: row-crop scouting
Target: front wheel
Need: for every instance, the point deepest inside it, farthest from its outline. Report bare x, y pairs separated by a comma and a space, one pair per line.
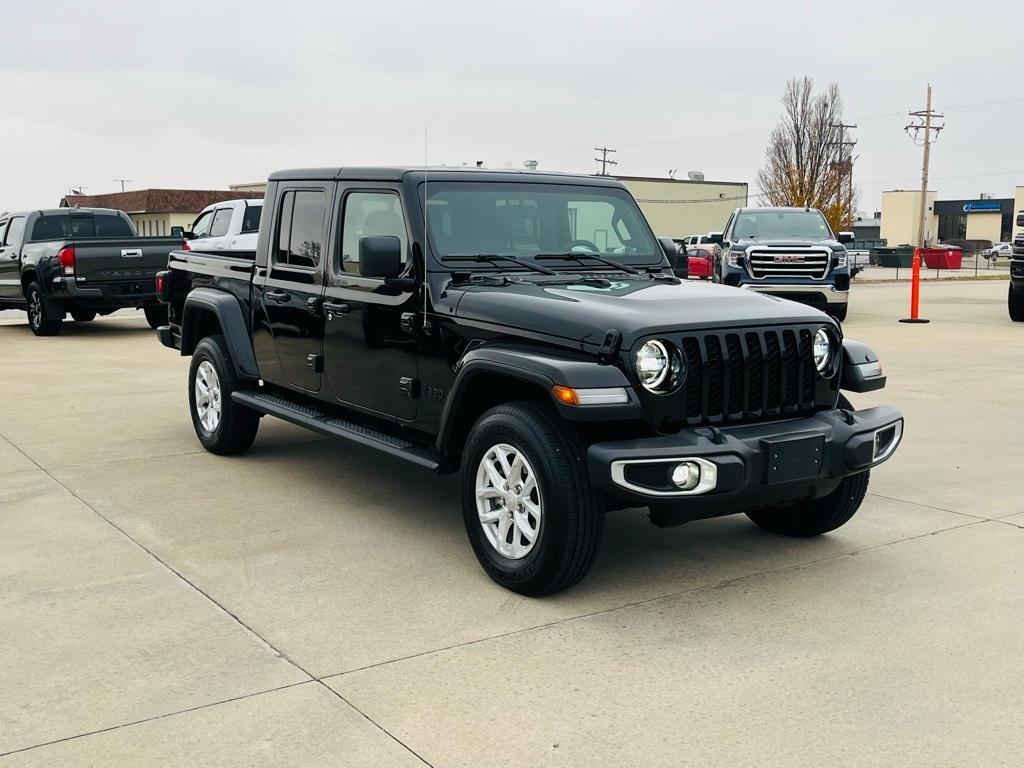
223, 426
156, 315
42, 319
821, 515
531, 515
1015, 303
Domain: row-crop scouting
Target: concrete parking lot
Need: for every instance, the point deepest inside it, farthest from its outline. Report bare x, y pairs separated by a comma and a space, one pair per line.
314, 603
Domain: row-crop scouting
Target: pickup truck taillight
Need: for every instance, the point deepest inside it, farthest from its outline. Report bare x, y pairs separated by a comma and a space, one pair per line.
163, 286
66, 259
185, 246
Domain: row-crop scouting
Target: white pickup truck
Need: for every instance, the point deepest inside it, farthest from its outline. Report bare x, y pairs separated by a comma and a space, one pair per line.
231, 225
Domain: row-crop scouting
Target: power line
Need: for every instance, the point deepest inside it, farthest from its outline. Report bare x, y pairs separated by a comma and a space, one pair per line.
603, 159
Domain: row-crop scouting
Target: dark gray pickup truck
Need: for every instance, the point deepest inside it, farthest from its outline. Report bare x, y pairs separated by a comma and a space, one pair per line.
78, 261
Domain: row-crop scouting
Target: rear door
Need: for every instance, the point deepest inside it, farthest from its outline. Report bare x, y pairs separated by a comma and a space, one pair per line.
290, 297
11, 236
245, 236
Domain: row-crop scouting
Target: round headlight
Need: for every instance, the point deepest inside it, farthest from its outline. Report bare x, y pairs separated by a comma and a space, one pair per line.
652, 364
822, 350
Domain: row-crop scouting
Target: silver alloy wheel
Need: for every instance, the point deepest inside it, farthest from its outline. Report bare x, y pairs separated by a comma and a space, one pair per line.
35, 309
208, 396
508, 501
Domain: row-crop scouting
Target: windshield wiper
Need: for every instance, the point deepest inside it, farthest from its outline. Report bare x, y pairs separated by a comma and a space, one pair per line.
573, 256
483, 258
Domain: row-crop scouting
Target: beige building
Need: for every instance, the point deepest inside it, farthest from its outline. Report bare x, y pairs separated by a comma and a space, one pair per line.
985, 218
679, 207
155, 211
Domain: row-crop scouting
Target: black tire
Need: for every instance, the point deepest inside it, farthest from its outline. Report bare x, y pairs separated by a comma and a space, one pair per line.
1015, 304
156, 315
572, 515
235, 429
821, 515
839, 312
41, 317
82, 315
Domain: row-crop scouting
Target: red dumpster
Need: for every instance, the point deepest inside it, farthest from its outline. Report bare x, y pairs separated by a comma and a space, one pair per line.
942, 258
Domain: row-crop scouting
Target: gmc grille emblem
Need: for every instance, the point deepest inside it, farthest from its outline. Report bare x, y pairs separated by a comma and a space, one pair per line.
788, 258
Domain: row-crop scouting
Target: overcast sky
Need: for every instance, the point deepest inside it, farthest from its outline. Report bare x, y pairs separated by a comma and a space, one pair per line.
202, 95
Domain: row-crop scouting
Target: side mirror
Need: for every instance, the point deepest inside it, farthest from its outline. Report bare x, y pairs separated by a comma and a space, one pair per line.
178, 232
716, 238
676, 256
846, 237
188, 234
380, 256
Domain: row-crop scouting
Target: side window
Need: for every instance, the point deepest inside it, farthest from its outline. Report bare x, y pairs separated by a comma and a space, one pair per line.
300, 231
370, 214
201, 226
251, 218
15, 230
3, 230
221, 221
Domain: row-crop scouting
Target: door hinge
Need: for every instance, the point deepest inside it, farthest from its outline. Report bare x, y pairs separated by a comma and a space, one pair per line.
410, 387
408, 322
315, 362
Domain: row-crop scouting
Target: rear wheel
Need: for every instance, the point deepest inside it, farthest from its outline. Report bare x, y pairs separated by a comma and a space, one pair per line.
1015, 303
41, 317
223, 426
818, 516
82, 315
531, 515
156, 315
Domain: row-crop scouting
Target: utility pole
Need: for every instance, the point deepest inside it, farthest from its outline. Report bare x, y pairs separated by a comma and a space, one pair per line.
123, 182
603, 159
924, 118
845, 164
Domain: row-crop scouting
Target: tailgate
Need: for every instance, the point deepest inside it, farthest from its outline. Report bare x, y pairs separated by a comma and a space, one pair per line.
122, 259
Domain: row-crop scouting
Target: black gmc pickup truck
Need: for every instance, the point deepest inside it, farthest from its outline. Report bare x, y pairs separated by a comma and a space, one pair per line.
525, 329
78, 261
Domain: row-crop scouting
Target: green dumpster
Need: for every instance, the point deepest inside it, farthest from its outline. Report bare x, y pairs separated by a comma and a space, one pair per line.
900, 256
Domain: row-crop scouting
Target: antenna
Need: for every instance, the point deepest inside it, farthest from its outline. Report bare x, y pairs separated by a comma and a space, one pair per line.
123, 182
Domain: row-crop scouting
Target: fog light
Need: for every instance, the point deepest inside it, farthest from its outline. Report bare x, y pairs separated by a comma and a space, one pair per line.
686, 476
887, 440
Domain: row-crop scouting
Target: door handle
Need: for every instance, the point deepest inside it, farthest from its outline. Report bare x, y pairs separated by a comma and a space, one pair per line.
336, 308
277, 297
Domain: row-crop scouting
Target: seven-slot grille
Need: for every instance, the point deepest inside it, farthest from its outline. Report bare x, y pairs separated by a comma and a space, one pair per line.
789, 262
744, 375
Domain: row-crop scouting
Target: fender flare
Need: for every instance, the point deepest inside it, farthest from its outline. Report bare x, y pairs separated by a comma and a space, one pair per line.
543, 369
228, 311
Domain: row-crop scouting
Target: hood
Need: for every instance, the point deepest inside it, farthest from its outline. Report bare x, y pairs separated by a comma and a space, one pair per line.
788, 242
635, 306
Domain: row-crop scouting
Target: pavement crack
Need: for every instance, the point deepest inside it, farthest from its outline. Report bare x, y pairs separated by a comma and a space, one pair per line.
657, 598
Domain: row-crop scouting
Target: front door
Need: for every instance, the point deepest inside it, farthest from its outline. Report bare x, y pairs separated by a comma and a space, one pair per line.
369, 329
11, 236
289, 298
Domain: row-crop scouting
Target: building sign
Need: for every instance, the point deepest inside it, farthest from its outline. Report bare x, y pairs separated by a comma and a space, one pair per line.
983, 206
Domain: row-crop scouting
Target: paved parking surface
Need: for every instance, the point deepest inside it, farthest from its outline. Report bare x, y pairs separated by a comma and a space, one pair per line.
313, 603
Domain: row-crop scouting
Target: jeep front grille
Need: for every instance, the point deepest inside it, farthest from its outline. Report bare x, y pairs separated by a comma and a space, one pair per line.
788, 262
745, 375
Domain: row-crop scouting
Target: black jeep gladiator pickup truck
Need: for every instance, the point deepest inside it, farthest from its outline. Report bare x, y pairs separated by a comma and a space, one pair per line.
525, 329
78, 261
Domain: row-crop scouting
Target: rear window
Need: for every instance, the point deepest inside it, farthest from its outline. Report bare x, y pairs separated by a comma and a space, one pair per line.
70, 227
251, 218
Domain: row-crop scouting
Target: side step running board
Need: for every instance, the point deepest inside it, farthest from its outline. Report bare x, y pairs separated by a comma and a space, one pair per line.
311, 418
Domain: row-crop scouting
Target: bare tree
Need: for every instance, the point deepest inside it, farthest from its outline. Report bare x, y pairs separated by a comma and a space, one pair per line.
806, 163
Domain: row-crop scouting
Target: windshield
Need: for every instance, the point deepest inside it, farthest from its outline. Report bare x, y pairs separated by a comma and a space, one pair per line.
62, 226
773, 224
523, 220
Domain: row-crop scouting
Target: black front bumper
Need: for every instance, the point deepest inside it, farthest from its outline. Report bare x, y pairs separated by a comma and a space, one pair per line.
751, 467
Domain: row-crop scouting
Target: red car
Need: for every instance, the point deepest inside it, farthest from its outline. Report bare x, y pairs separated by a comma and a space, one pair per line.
699, 258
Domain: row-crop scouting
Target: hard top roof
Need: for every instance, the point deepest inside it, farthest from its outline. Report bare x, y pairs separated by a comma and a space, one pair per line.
446, 173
